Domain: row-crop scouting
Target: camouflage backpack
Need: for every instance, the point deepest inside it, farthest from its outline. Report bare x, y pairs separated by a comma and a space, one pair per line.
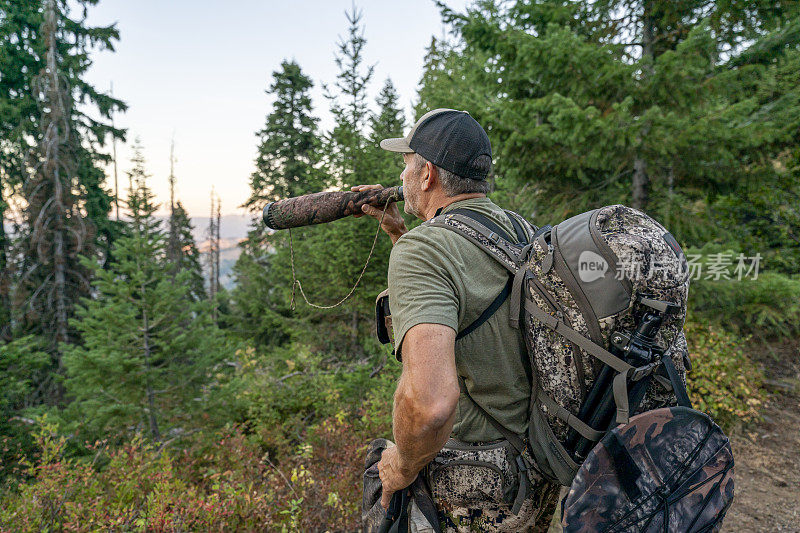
601, 300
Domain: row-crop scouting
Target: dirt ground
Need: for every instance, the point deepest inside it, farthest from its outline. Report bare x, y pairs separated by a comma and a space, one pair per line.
767, 455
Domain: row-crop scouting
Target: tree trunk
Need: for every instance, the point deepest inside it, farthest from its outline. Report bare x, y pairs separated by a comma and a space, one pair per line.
641, 184
216, 250
53, 138
670, 194
641, 178
212, 261
173, 243
5, 303
60, 291
354, 347
150, 394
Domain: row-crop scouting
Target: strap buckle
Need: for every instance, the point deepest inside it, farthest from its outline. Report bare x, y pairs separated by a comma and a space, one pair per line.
643, 371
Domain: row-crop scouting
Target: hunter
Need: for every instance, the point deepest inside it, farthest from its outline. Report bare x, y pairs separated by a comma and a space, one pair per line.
441, 286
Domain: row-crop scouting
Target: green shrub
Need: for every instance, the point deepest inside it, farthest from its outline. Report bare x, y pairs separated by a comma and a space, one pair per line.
277, 395
768, 306
138, 489
23, 365
723, 382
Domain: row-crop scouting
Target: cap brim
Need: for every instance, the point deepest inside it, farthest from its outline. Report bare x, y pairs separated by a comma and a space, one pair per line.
396, 145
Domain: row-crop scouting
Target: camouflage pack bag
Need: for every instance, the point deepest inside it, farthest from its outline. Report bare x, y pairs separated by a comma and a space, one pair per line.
600, 299
475, 487
688, 486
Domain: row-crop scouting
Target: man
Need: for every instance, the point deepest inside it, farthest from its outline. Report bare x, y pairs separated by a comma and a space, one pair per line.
440, 283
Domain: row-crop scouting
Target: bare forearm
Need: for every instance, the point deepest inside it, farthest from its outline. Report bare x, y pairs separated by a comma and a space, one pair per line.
424, 405
419, 435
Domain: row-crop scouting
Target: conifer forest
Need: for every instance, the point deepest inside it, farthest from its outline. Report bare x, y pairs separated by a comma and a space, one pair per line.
138, 393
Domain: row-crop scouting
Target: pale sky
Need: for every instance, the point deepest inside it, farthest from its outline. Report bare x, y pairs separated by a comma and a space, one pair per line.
198, 70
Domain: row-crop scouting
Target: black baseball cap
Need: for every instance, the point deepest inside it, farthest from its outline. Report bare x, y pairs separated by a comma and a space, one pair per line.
449, 139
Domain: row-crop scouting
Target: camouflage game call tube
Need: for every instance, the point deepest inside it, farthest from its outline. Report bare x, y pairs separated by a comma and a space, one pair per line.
322, 207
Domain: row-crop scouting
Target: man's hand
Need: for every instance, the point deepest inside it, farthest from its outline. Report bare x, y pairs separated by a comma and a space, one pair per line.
393, 475
393, 223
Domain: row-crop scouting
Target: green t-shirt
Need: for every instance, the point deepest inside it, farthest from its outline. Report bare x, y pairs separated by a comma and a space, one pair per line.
436, 276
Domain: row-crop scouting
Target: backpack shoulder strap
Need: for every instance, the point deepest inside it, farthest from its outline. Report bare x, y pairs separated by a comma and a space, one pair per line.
492, 240
486, 221
503, 296
486, 227
524, 229
489, 311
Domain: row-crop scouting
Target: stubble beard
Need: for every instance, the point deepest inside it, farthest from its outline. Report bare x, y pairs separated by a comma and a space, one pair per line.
410, 199
411, 192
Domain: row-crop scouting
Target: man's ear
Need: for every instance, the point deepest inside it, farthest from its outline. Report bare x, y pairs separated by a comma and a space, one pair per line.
430, 177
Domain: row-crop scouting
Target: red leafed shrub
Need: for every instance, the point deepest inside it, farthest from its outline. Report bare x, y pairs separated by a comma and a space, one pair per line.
221, 485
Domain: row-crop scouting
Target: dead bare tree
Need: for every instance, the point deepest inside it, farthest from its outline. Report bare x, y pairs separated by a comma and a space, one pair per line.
212, 256
216, 248
173, 239
114, 155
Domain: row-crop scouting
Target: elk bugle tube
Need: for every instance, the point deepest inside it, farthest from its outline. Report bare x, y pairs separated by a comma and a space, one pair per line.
321, 207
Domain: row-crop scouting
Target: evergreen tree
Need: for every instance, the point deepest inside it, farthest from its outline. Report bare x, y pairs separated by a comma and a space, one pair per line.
640, 102
188, 256
389, 121
49, 150
339, 250
261, 295
57, 232
24, 56
288, 143
23, 362
147, 343
346, 143
328, 258
287, 165
762, 210
18, 122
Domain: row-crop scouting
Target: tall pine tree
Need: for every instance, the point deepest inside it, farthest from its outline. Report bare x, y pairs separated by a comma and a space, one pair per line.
50, 149
642, 102
287, 165
18, 120
188, 256
147, 343
52, 276
182, 250
288, 149
388, 121
340, 249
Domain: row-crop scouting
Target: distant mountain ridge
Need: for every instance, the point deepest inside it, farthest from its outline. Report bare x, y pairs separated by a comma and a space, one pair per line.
232, 230
230, 226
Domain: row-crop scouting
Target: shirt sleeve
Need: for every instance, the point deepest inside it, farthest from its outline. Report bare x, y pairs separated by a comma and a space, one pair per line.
422, 285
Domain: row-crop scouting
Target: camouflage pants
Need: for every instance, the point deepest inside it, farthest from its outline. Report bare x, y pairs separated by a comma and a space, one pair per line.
471, 483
